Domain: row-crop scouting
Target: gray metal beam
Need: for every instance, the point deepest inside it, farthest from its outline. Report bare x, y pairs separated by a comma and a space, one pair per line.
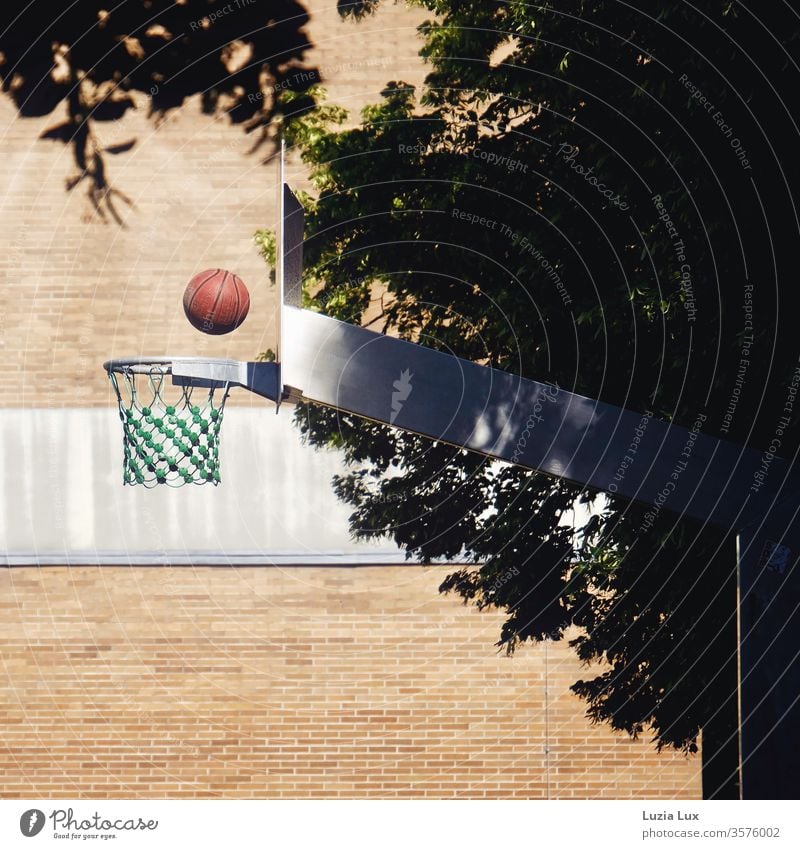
263, 379
535, 425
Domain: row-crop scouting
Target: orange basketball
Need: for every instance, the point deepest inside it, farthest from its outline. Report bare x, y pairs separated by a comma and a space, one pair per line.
216, 301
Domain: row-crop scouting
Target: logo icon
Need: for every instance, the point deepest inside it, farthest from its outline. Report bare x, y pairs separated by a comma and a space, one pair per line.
402, 389
776, 557
31, 822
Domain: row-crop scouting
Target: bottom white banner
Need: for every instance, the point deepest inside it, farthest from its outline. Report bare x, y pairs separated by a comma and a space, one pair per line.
401, 824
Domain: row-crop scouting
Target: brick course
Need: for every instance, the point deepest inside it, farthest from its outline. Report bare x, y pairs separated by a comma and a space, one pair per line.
300, 682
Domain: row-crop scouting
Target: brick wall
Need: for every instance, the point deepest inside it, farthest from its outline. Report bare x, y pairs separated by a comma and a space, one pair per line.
298, 682
76, 290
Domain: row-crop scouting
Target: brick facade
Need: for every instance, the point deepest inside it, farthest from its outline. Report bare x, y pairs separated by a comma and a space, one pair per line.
75, 290
300, 682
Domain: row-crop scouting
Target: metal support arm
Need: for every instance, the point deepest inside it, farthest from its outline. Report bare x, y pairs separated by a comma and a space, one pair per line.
263, 379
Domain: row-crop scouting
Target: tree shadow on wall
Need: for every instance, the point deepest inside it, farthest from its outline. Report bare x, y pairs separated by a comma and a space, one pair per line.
241, 56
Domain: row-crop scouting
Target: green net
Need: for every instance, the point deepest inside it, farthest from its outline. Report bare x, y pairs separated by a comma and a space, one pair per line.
170, 433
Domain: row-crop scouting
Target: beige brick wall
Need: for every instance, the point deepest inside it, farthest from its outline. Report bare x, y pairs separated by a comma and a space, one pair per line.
75, 291
301, 682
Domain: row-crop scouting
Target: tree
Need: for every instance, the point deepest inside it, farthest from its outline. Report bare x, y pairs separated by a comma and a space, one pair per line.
102, 59
597, 196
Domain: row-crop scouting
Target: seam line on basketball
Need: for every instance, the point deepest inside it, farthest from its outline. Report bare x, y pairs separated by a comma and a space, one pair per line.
236, 321
199, 287
220, 290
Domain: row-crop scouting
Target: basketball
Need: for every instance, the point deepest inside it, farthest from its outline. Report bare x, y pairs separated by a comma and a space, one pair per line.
216, 301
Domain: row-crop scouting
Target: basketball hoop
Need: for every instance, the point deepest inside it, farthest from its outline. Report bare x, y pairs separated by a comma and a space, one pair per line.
171, 427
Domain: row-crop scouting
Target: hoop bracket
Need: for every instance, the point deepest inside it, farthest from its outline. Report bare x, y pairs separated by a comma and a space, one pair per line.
263, 379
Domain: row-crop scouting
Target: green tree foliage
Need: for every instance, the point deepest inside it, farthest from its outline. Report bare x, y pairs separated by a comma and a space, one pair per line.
102, 59
560, 124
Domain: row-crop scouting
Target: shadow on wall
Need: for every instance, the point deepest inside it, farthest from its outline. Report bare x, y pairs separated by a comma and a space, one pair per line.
243, 58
